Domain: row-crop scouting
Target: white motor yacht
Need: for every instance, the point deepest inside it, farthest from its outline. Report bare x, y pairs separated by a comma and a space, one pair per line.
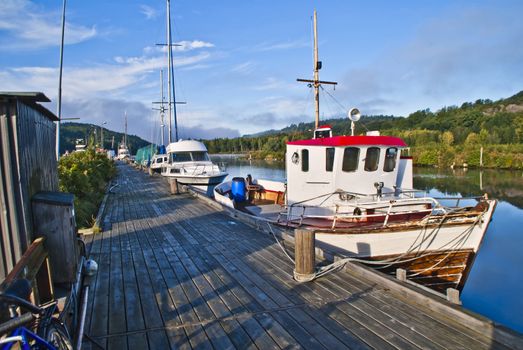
189, 163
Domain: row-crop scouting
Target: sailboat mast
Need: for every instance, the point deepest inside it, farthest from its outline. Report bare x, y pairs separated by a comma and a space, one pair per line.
162, 125
172, 77
125, 135
316, 75
169, 58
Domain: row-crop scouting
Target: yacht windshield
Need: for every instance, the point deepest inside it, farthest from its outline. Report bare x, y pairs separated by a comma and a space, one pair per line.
200, 156
180, 157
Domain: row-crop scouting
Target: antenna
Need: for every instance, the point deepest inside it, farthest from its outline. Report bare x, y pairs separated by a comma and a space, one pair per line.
354, 115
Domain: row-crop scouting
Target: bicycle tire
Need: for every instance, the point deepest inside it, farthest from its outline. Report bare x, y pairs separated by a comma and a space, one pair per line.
56, 334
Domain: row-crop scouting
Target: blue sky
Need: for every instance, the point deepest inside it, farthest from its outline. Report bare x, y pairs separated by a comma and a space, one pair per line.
238, 61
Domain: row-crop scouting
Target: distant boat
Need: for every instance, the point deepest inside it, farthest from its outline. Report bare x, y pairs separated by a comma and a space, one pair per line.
123, 150
160, 158
356, 193
80, 145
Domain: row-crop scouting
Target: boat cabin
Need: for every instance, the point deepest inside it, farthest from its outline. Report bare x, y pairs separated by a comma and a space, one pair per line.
187, 151
323, 131
362, 165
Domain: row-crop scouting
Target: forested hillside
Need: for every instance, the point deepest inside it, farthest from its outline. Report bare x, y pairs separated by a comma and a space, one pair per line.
451, 135
69, 132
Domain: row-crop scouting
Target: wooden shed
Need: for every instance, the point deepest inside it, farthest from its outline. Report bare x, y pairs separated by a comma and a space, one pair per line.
27, 165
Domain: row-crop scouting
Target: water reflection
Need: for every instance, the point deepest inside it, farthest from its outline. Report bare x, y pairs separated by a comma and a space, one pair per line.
495, 283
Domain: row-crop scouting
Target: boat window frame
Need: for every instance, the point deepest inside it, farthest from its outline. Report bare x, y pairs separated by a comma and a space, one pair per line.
389, 159
356, 161
329, 159
305, 160
172, 160
205, 153
376, 162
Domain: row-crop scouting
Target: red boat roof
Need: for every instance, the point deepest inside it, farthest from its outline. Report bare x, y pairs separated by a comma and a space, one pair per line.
352, 141
326, 126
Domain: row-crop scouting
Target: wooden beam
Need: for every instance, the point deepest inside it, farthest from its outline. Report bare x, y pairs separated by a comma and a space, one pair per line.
317, 81
33, 265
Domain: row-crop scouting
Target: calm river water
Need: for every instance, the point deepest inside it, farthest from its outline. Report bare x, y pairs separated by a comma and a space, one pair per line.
495, 285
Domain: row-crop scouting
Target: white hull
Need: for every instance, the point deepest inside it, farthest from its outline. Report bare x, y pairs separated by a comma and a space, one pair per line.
450, 237
198, 179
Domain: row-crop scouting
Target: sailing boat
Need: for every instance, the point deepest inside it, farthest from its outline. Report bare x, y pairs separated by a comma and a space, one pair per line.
188, 160
160, 156
123, 151
356, 193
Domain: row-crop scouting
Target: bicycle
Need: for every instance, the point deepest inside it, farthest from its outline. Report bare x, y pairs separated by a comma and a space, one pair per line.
35, 329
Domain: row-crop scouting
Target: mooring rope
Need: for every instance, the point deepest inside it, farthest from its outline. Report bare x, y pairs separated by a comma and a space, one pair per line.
455, 244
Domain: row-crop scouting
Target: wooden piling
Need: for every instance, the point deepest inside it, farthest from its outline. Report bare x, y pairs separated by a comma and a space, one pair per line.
304, 253
401, 274
173, 183
453, 296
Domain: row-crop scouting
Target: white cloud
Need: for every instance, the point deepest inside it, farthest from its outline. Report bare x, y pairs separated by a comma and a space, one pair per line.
244, 68
180, 46
30, 28
191, 45
148, 12
98, 80
271, 46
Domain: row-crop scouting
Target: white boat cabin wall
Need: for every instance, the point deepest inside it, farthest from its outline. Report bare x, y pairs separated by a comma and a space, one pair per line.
362, 165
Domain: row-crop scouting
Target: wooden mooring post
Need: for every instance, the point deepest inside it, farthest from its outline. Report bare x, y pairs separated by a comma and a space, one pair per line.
304, 255
173, 183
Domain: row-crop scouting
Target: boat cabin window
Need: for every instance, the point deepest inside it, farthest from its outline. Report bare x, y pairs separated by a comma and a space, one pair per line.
351, 155
372, 159
180, 157
159, 160
304, 160
329, 158
200, 156
320, 134
390, 159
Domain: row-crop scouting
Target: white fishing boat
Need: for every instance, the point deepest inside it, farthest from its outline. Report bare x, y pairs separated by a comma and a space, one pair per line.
356, 193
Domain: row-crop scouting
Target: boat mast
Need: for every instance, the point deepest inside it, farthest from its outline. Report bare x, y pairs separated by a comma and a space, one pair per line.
125, 135
169, 58
162, 109
316, 82
316, 75
172, 95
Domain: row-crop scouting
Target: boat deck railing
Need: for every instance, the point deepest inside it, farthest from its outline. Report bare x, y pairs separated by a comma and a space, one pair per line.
351, 205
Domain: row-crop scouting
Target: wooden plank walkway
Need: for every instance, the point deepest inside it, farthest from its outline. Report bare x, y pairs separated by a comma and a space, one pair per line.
176, 273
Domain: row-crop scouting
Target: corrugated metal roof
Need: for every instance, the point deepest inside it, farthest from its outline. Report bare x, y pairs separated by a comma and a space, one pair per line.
30, 98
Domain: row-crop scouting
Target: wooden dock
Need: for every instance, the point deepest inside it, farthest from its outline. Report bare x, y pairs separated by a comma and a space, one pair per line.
177, 273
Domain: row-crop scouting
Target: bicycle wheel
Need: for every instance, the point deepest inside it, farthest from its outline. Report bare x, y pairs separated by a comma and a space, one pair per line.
56, 335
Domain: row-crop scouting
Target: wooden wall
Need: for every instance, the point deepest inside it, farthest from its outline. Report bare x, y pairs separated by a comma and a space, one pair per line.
27, 165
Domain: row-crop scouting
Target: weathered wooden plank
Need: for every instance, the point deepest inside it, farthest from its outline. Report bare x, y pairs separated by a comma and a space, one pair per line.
117, 322
417, 318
